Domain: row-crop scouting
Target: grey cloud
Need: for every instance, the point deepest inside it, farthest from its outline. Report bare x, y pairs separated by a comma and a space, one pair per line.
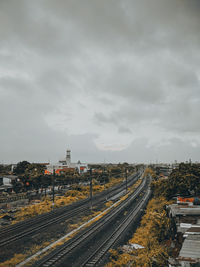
123, 129
140, 151
105, 101
129, 62
101, 118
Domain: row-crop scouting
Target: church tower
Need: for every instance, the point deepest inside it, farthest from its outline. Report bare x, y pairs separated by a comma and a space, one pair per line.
68, 157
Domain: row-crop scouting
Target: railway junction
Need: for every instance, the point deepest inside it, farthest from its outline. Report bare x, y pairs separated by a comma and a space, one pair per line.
91, 243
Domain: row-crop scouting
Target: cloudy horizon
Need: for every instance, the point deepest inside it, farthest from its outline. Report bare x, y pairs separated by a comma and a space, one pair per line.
114, 81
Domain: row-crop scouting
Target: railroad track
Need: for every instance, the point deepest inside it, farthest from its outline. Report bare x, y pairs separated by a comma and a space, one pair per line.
59, 255
95, 258
18, 231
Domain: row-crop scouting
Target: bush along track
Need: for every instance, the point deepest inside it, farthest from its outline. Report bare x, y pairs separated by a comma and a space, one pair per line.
150, 244
75, 194
133, 180
90, 245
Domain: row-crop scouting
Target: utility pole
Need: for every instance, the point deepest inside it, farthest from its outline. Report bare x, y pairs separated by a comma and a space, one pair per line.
108, 173
104, 174
104, 177
53, 185
91, 187
126, 173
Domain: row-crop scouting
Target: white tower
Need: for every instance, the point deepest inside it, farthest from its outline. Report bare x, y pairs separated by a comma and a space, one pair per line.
68, 157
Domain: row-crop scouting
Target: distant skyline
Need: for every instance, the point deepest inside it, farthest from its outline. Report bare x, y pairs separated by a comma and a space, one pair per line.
111, 80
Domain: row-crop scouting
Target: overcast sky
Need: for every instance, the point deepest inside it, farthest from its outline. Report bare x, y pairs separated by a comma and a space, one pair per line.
113, 80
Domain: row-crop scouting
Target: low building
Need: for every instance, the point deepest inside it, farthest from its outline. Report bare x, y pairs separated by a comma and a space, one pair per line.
190, 252
185, 216
8, 179
6, 188
187, 219
188, 200
65, 165
163, 170
6, 182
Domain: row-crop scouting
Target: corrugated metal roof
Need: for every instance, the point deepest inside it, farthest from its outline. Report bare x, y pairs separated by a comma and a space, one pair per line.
191, 248
13, 177
6, 186
194, 229
184, 210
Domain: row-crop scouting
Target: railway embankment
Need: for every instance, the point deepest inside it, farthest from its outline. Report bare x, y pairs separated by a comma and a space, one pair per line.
169, 232
150, 244
36, 234
90, 247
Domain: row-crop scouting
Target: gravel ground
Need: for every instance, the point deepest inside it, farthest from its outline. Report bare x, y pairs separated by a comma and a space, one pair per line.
53, 232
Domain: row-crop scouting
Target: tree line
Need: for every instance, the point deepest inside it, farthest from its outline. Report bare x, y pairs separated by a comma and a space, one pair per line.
184, 180
31, 175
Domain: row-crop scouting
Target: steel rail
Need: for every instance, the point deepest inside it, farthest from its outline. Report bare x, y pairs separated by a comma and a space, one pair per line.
53, 258
40, 218
41, 226
62, 209
102, 250
44, 220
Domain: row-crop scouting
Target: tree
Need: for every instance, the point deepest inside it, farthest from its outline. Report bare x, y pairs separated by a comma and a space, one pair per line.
21, 167
184, 180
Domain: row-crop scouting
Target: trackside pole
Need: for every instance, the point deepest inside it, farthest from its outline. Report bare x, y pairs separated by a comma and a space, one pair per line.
91, 188
53, 189
126, 181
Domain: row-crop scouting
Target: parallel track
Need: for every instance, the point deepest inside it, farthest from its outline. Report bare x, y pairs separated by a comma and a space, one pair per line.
20, 230
57, 256
98, 254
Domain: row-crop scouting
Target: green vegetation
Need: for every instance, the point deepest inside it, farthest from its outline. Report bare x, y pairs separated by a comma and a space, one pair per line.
31, 175
156, 230
184, 180
76, 193
5, 169
153, 234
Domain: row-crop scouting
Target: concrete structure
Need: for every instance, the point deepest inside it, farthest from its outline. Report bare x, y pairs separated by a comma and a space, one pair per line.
68, 157
163, 169
187, 219
6, 182
67, 160
13, 166
8, 179
185, 216
66, 165
190, 251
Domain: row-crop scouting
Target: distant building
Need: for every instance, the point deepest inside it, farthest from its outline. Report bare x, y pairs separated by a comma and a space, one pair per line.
175, 165
6, 182
187, 219
190, 251
163, 169
65, 165
185, 216
8, 179
13, 166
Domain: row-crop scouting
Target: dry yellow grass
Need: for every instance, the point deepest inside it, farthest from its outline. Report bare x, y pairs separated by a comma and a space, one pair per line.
46, 205
69, 197
14, 261
17, 258
154, 230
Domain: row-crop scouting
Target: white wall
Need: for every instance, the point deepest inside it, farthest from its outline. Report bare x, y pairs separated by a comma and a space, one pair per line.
7, 181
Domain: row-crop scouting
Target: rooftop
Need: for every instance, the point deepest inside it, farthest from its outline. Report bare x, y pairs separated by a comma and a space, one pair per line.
190, 250
194, 229
3, 187
12, 177
184, 210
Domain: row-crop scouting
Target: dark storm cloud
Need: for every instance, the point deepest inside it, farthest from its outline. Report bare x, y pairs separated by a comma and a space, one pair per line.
105, 74
124, 130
